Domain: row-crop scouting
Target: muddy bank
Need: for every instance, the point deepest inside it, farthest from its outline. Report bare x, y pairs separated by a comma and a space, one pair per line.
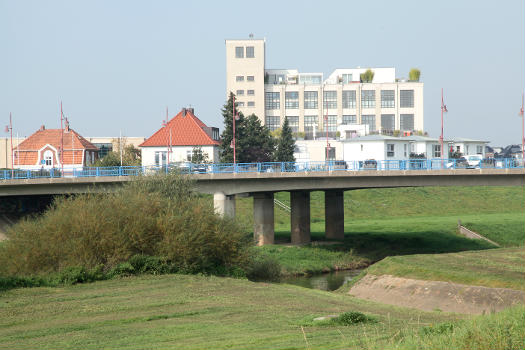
435, 295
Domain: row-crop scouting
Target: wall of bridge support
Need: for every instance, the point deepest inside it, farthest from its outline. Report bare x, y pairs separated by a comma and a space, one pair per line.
300, 217
224, 205
334, 214
263, 218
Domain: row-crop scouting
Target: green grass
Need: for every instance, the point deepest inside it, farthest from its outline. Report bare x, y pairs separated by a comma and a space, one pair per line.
190, 312
500, 268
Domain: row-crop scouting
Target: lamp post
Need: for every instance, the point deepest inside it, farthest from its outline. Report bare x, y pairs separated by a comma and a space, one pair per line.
234, 117
443, 109
522, 132
61, 138
9, 128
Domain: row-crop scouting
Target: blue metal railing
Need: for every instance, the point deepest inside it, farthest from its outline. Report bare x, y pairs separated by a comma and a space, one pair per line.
268, 167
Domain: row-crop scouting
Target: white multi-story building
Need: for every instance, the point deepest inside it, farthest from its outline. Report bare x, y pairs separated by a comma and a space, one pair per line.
314, 105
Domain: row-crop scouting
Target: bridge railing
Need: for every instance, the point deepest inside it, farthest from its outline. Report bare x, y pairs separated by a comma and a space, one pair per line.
266, 167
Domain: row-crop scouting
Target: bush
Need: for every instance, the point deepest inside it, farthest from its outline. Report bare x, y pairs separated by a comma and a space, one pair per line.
352, 317
264, 269
122, 233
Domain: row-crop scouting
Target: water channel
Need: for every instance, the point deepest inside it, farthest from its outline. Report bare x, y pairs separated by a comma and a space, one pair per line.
326, 281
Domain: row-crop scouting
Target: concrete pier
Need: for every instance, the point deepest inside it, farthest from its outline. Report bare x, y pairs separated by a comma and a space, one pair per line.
334, 214
263, 218
300, 216
224, 205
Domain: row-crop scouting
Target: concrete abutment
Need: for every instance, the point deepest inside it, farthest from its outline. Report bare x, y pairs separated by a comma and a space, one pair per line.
334, 214
300, 217
224, 204
263, 218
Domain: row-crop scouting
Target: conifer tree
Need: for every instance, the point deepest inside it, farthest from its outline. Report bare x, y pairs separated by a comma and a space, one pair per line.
257, 143
285, 144
226, 150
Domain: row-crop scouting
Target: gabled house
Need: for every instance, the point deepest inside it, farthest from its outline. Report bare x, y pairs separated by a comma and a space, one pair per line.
44, 148
176, 140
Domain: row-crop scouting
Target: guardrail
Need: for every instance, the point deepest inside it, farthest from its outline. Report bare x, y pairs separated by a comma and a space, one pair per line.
268, 167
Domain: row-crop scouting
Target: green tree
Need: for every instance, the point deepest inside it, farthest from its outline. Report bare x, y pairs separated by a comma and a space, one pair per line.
226, 150
253, 142
198, 156
367, 76
414, 74
130, 157
285, 144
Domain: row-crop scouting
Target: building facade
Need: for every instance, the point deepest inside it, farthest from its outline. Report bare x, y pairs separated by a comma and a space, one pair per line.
316, 106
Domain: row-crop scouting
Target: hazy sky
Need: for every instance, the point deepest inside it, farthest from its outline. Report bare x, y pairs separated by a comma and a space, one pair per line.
116, 65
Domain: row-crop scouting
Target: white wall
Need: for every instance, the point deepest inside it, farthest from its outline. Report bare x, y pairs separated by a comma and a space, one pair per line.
178, 154
315, 150
375, 150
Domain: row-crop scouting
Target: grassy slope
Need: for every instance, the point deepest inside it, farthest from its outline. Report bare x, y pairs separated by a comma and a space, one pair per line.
504, 268
189, 312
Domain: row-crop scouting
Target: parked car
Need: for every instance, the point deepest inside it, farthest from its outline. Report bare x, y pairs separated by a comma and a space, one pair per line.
459, 163
474, 160
370, 164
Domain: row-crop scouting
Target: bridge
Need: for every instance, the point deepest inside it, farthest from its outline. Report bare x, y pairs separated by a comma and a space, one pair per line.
262, 184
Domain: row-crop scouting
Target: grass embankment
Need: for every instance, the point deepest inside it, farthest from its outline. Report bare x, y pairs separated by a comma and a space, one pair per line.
500, 268
401, 221
197, 312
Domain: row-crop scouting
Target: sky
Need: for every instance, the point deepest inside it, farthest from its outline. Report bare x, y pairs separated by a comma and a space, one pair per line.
117, 65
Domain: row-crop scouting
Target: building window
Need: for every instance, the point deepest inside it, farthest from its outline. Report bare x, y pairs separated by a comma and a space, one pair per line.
310, 99
330, 99
387, 99
250, 78
387, 122
310, 124
330, 152
240, 104
239, 52
251, 104
239, 78
349, 99
349, 119
330, 123
293, 122
479, 149
273, 122
48, 158
160, 158
405, 150
240, 92
272, 100
310, 79
389, 149
369, 120
347, 78
189, 155
436, 151
407, 122
250, 92
406, 98
368, 99
291, 100
250, 52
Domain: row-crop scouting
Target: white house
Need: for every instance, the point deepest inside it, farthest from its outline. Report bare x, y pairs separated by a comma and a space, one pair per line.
425, 147
375, 148
177, 139
468, 146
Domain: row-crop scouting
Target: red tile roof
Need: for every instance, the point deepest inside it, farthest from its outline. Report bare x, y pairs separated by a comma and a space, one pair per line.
53, 137
186, 130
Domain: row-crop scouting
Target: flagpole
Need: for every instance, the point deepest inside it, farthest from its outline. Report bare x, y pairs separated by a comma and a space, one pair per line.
441, 138
62, 138
234, 158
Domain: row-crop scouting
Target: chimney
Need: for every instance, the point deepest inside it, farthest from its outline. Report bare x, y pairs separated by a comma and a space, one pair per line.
191, 110
42, 127
184, 112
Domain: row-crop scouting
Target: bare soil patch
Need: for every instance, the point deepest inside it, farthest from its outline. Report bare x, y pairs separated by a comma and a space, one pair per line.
435, 295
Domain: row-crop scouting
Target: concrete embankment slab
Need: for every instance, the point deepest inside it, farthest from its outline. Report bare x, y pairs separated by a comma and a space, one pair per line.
435, 295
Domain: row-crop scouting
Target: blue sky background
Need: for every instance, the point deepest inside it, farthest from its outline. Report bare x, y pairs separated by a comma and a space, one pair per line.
116, 65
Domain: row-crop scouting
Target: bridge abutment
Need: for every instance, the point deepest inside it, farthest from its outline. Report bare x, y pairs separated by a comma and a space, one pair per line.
334, 214
224, 205
300, 216
263, 218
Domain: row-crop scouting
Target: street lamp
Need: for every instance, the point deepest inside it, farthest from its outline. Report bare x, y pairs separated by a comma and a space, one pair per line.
9, 128
522, 132
443, 109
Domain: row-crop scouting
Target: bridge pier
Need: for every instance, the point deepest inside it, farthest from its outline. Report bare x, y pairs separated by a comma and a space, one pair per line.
224, 205
334, 214
300, 216
263, 218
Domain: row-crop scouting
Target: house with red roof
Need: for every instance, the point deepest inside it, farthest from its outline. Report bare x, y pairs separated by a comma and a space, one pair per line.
43, 149
177, 139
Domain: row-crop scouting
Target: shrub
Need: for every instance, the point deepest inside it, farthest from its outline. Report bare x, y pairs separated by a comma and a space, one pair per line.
414, 74
121, 232
264, 269
352, 317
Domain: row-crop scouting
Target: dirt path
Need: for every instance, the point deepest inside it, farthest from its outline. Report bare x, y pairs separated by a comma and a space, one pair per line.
434, 295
